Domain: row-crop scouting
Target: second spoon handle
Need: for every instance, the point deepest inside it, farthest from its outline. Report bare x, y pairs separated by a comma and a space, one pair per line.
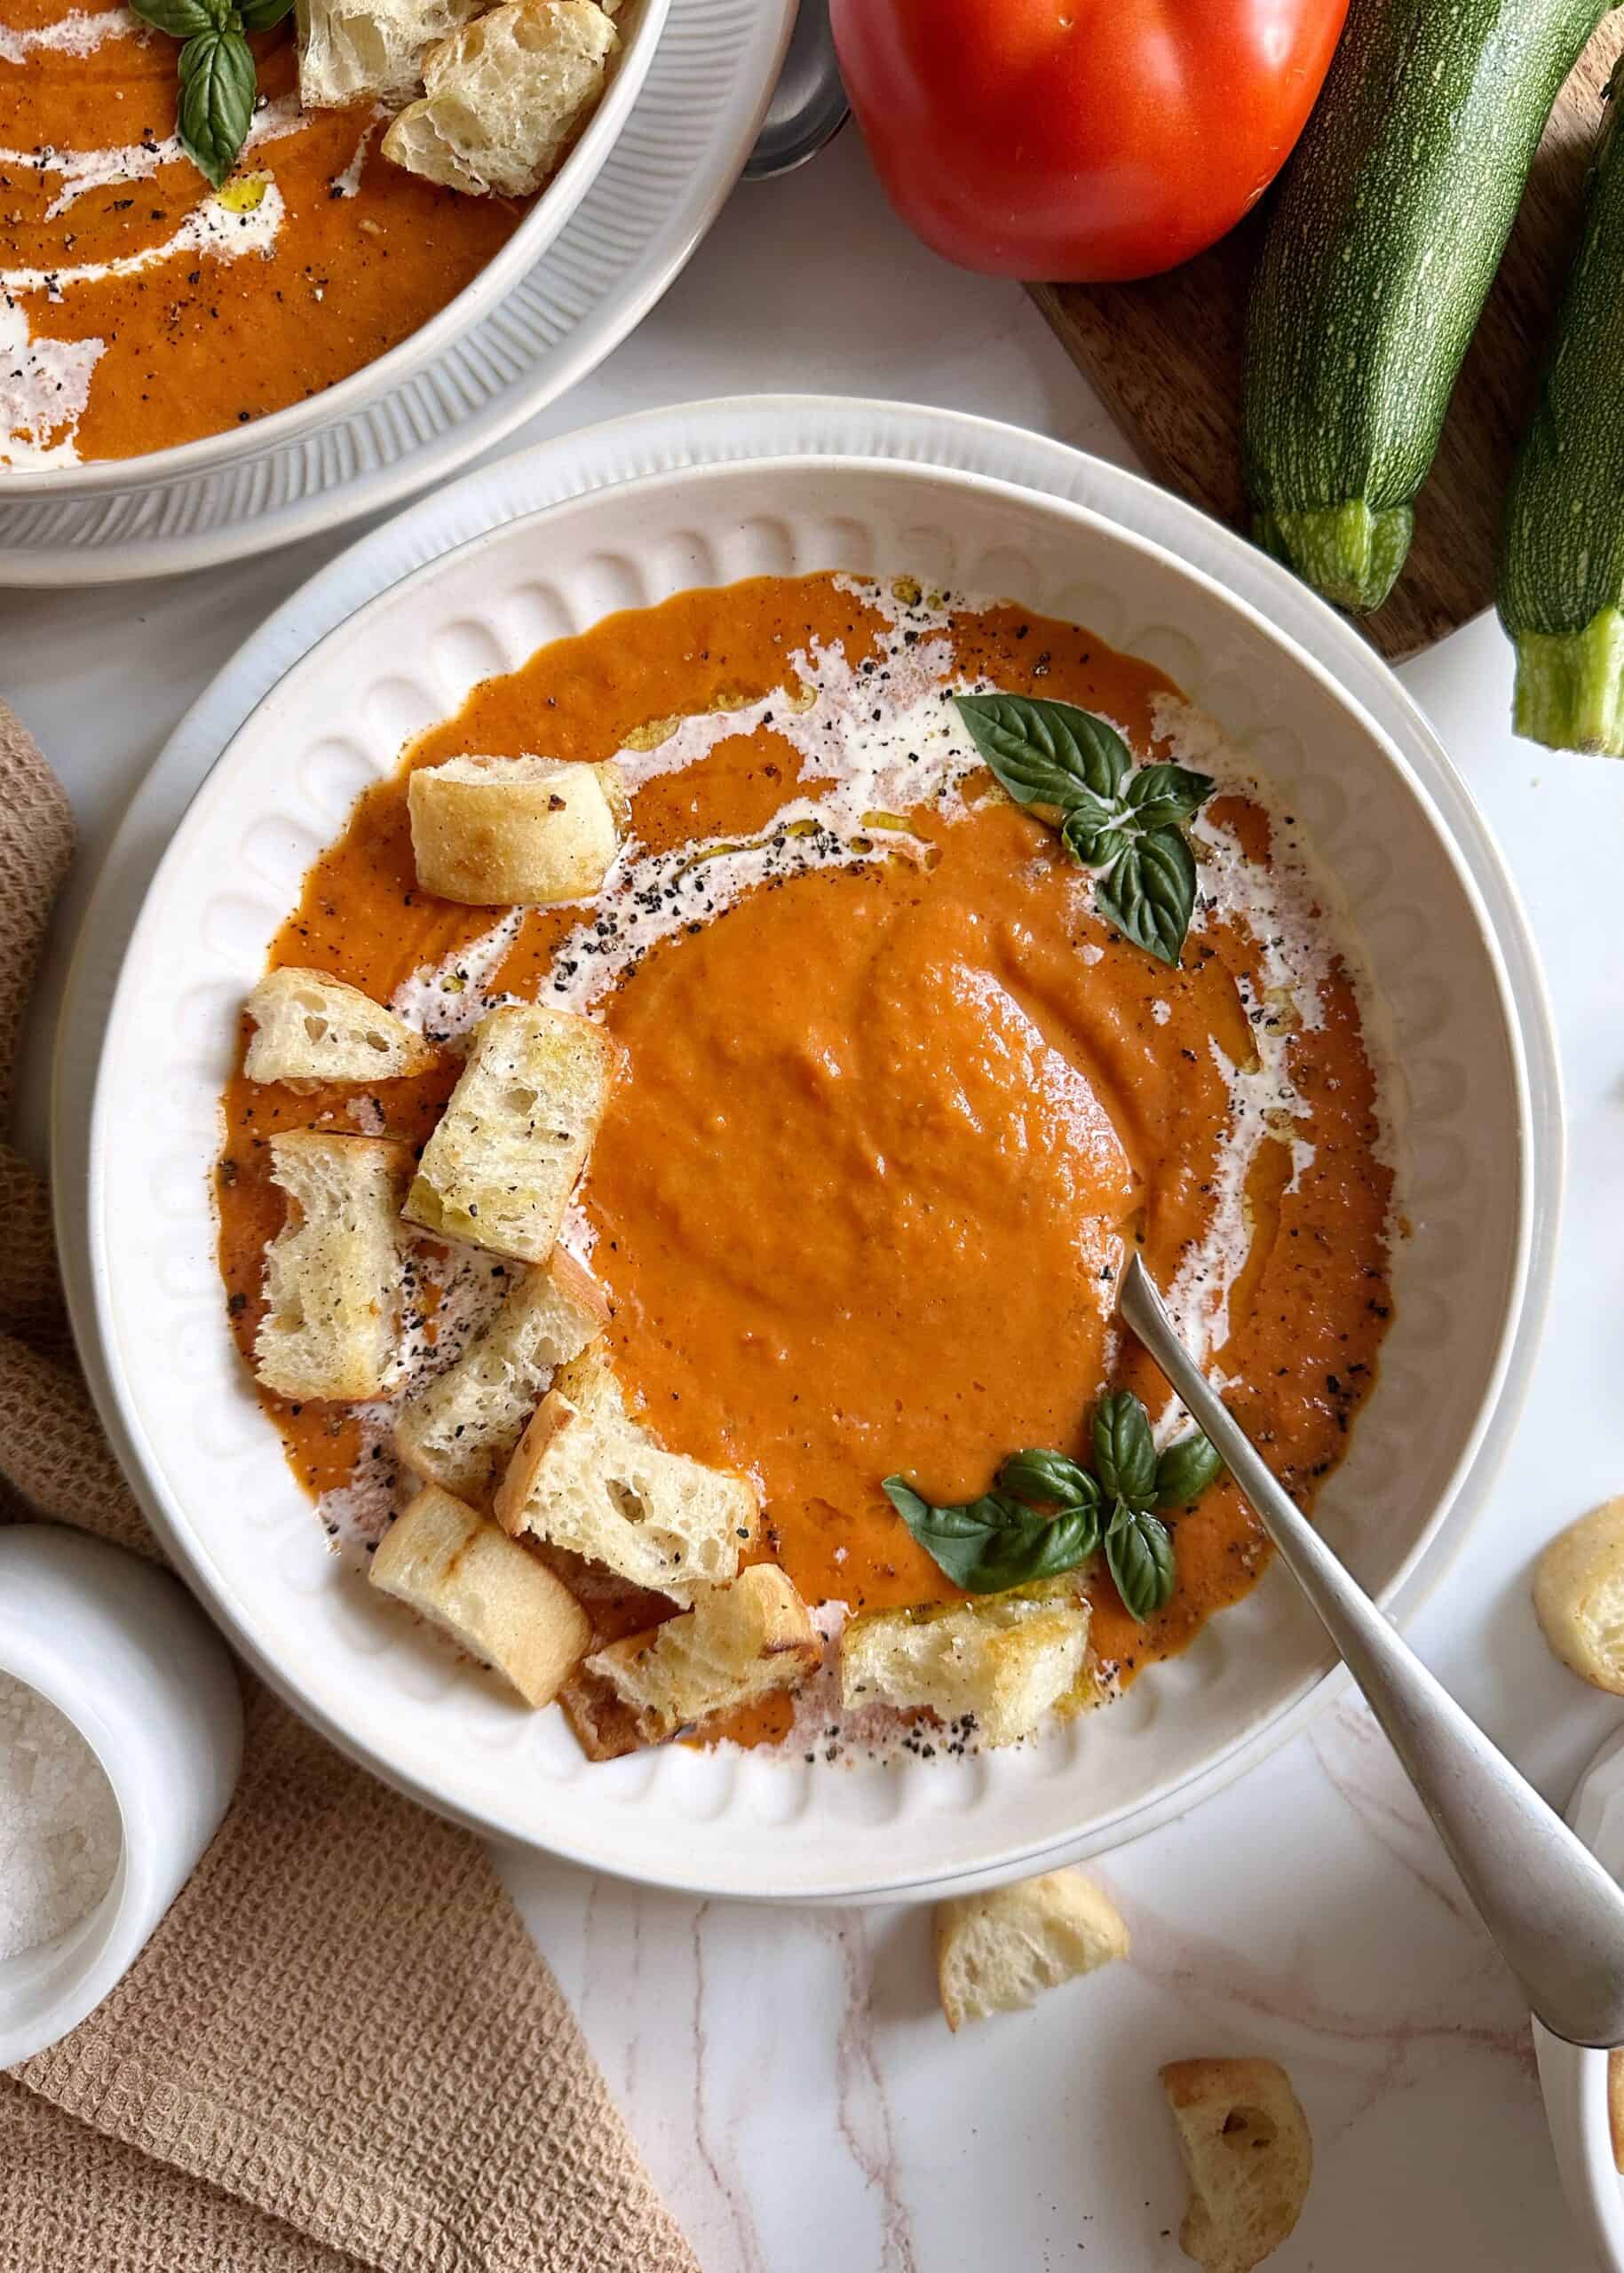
1557, 1916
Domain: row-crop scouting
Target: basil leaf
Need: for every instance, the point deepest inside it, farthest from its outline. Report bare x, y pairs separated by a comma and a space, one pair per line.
1045, 753
259, 15
1124, 1450
1162, 795
1091, 835
987, 1546
1185, 1470
1049, 1476
1139, 1557
1149, 894
217, 100
180, 18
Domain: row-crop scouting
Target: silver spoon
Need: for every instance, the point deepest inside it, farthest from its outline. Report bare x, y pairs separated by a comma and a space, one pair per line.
1556, 1914
808, 105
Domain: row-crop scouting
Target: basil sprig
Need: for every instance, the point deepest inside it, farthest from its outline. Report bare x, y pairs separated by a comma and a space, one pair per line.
1048, 1513
987, 1546
218, 84
1110, 814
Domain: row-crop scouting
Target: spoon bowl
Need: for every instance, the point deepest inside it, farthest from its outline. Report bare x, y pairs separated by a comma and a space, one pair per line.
808, 105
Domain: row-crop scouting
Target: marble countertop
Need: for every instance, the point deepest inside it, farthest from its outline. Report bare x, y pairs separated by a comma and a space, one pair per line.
788, 2074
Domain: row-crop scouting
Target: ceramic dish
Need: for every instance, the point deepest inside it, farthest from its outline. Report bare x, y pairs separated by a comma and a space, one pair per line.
642, 25
1574, 2081
717, 1821
120, 1652
658, 188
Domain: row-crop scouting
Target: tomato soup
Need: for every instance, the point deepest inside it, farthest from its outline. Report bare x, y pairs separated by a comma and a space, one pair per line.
138, 307
899, 1097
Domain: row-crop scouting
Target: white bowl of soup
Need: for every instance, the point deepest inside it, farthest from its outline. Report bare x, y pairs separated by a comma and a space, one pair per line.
151, 325
899, 1086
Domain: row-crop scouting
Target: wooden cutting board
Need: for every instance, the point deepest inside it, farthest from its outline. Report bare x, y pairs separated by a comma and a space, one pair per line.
1166, 357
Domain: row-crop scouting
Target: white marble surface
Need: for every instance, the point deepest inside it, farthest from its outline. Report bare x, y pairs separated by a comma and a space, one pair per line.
794, 2091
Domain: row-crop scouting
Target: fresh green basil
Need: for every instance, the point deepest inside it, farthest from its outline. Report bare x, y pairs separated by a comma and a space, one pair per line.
1124, 1449
218, 84
987, 1546
1149, 894
1139, 1557
1001, 1540
1091, 836
1048, 1478
1112, 815
1045, 753
1185, 1470
217, 99
180, 18
1162, 797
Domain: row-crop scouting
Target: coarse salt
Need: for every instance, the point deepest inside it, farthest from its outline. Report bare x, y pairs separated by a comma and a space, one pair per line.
59, 1822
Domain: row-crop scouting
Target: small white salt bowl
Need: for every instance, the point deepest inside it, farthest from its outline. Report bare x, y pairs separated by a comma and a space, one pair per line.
121, 1651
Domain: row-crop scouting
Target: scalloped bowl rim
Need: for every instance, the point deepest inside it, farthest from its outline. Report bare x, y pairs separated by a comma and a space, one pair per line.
1152, 1801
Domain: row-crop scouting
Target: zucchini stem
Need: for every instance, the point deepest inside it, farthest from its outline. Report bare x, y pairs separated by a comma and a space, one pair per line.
1570, 685
1351, 553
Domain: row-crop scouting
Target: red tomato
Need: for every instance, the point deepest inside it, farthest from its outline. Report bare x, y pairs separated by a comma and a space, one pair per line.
1083, 139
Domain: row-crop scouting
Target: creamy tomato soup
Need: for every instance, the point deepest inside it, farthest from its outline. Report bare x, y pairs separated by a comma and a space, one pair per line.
138, 307
898, 1097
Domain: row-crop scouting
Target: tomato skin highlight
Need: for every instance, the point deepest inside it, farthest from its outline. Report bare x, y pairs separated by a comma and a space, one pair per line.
1084, 141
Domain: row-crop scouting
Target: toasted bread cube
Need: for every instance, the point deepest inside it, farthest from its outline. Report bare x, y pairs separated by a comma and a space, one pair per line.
602, 1723
1578, 1597
505, 97
995, 1952
459, 1430
587, 1478
737, 1644
1005, 1658
310, 1029
1249, 2155
358, 51
462, 1571
332, 1274
499, 832
499, 1169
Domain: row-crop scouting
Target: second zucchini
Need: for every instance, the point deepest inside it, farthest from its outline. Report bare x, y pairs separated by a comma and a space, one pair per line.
1394, 211
1562, 554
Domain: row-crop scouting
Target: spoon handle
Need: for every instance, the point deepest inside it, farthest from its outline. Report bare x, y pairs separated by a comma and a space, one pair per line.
1557, 1916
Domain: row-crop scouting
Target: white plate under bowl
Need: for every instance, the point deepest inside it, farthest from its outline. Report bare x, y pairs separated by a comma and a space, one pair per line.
1573, 2080
207, 1464
706, 74
641, 24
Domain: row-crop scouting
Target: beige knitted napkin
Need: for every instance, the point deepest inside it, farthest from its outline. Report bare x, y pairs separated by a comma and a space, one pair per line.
340, 2047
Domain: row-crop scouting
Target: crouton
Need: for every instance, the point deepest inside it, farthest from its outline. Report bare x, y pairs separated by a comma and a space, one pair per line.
496, 832
459, 1430
1246, 2147
737, 1644
505, 97
586, 1477
464, 1575
310, 1029
499, 1169
602, 1725
995, 1952
1006, 1659
332, 1274
358, 51
1578, 1597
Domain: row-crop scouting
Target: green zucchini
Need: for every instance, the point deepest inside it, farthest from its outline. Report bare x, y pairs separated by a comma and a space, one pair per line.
1380, 253
1562, 548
